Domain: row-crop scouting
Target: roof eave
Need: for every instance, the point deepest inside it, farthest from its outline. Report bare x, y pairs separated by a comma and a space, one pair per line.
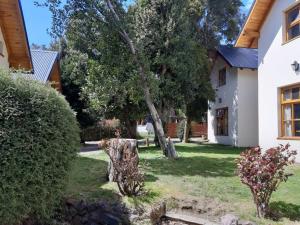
26, 37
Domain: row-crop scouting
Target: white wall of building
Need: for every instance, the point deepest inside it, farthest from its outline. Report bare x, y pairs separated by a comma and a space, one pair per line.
241, 97
228, 94
3, 59
248, 108
275, 59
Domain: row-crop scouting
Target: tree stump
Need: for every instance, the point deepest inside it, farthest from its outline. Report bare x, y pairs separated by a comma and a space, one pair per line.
120, 150
123, 167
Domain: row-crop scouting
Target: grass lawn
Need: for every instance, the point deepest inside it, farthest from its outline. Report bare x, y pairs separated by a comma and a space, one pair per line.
202, 172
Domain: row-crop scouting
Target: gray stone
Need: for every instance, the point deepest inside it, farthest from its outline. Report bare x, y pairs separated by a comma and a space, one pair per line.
229, 219
243, 222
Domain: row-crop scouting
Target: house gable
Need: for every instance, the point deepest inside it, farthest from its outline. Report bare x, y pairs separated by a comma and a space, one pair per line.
250, 33
14, 34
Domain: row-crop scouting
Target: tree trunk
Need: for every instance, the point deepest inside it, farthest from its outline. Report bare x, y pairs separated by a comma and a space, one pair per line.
131, 127
262, 210
187, 128
168, 149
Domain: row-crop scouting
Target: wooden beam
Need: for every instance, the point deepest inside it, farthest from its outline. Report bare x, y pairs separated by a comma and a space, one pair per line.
251, 33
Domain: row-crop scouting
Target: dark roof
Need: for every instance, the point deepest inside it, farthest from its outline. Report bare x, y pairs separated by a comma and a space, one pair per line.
43, 62
239, 57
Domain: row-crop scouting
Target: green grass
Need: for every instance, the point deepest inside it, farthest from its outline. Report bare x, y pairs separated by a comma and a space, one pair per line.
201, 172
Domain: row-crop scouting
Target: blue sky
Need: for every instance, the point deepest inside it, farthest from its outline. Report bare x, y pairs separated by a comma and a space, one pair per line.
38, 21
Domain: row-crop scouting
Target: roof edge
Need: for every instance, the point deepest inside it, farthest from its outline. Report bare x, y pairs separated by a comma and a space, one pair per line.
26, 35
244, 25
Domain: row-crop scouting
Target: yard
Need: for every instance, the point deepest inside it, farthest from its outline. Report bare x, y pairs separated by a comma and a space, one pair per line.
205, 173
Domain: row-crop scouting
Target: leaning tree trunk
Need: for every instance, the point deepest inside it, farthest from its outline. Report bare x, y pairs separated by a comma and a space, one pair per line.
187, 128
168, 149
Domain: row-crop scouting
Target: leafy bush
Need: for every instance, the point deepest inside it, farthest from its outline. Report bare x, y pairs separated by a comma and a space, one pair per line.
39, 137
263, 173
100, 132
97, 133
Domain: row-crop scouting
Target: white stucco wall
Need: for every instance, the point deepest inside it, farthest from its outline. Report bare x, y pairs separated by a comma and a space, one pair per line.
228, 93
275, 59
3, 59
248, 108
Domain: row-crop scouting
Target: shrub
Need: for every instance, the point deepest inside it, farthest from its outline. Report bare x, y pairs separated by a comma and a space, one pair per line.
96, 133
39, 137
263, 173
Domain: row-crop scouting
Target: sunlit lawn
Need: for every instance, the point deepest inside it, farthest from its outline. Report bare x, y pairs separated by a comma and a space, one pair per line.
202, 171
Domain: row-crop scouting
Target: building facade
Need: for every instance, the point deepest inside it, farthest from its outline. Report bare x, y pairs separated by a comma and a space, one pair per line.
234, 78
276, 35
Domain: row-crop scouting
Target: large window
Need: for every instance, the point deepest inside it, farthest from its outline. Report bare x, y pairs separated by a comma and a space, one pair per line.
222, 122
290, 111
222, 77
293, 23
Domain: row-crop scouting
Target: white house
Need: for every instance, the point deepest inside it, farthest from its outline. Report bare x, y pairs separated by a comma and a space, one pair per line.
273, 27
233, 116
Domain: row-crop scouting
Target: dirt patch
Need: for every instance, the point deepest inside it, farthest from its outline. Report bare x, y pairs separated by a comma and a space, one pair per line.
168, 222
206, 208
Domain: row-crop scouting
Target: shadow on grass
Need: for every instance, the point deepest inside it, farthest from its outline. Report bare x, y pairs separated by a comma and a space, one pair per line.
285, 210
87, 178
200, 148
191, 166
210, 149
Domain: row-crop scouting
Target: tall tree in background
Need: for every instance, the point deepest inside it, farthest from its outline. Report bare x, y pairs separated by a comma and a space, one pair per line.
166, 42
111, 15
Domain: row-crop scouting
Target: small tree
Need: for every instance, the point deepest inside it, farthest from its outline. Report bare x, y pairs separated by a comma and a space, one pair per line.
263, 173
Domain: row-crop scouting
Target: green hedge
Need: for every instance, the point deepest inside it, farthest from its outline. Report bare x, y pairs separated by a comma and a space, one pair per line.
39, 137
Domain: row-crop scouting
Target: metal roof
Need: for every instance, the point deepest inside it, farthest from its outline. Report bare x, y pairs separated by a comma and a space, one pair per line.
239, 57
43, 62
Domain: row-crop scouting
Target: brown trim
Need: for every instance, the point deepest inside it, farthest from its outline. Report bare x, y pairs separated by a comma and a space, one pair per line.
227, 124
291, 103
288, 26
289, 138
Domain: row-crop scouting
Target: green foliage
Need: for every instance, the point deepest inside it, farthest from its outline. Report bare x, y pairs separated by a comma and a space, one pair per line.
39, 137
172, 39
169, 38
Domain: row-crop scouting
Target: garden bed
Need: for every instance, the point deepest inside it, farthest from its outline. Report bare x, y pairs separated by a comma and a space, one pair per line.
203, 173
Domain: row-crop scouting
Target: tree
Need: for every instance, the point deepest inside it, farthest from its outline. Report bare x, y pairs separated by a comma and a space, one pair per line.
112, 16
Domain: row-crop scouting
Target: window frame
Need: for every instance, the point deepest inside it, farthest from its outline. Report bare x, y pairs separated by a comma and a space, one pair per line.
226, 123
292, 24
283, 103
222, 80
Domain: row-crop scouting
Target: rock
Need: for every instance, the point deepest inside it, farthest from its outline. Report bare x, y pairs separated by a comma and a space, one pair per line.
76, 220
242, 222
229, 219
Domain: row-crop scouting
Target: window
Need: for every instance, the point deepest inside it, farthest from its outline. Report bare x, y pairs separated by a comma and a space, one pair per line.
222, 77
222, 122
293, 23
290, 111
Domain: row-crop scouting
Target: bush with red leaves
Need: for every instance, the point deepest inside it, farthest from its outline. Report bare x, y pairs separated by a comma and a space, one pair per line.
263, 172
